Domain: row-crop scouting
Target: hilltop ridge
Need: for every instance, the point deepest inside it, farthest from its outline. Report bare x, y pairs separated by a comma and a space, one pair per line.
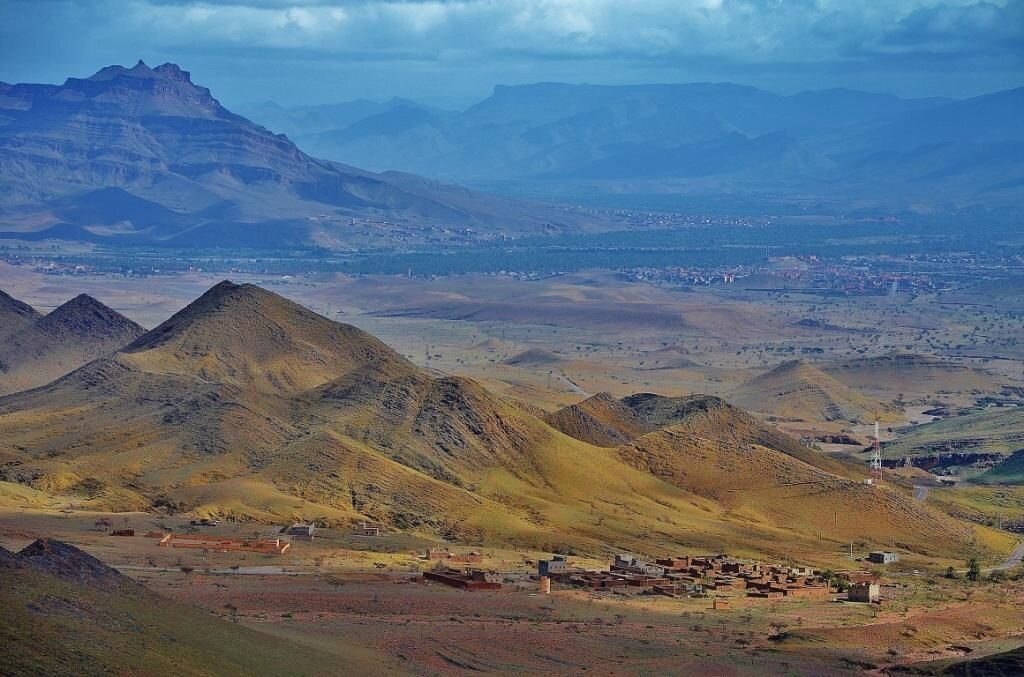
246, 404
245, 335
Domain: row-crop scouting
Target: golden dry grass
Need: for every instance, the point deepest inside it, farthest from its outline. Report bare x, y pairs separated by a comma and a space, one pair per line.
245, 404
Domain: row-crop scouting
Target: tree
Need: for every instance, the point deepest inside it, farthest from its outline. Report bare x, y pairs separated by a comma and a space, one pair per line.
187, 570
973, 570
951, 573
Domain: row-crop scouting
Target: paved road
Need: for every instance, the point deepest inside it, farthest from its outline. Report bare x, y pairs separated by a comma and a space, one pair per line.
1015, 558
572, 384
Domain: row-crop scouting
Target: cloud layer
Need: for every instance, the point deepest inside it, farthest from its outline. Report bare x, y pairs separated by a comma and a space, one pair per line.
472, 44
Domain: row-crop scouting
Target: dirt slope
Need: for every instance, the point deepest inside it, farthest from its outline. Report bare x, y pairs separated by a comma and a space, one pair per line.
15, 315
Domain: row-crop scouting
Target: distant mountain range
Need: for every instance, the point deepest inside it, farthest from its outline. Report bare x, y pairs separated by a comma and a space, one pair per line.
143, 155
299, 121
562, 140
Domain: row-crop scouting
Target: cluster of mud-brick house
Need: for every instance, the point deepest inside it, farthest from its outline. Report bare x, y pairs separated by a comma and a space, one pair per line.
474, 579
712, 574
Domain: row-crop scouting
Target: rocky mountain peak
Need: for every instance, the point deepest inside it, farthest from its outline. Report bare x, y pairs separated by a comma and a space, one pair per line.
166, 90
140, 70
85, 316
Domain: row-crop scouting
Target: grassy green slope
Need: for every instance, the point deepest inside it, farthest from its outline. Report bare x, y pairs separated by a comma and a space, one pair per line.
993, 431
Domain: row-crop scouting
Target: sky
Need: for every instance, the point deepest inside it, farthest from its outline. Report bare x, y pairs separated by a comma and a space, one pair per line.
455, 51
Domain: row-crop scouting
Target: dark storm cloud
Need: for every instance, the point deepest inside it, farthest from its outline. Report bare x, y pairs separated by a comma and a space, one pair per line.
282, 48
979, 28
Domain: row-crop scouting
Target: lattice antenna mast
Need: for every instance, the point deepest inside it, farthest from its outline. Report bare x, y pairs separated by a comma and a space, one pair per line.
876, 456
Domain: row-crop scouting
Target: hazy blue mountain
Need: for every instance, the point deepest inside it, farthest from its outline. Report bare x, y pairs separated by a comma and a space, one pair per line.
144, 155
836, 144
962, 149
299, 121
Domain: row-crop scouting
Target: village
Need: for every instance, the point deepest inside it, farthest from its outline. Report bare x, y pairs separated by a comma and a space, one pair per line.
719, 578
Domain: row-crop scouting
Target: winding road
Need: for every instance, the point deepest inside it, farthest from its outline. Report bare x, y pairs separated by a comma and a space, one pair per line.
1015, 558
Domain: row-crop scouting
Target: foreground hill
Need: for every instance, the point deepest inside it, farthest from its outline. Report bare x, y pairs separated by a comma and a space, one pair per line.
76, 332
799, 390
720, 453
246, 404
767, 486
66, 612
143, 155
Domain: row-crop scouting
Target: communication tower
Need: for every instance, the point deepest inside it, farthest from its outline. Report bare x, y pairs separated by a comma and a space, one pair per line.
876, 457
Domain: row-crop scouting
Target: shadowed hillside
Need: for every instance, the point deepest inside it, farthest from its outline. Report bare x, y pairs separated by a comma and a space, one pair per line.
15, 315
66, 612
708, 417
604, 421
75, 333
